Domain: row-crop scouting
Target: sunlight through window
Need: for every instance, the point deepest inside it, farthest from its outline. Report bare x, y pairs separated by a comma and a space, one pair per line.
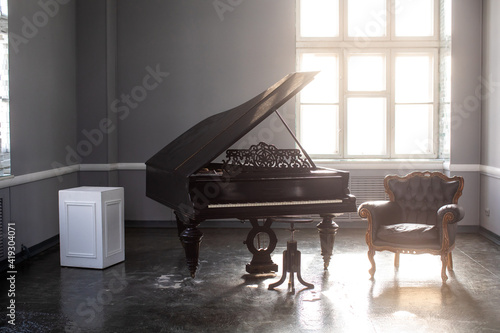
318, 124
414, 79
324, 88
367, 18
319, 18
366, 73
366, 126
412, 129
414, 18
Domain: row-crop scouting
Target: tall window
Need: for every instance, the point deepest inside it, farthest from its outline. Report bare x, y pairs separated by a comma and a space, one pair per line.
377, 94
4, 92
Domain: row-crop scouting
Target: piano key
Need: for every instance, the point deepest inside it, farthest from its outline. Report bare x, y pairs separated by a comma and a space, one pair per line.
278, 203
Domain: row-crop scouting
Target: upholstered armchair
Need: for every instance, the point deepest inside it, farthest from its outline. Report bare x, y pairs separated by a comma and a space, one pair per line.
420, 217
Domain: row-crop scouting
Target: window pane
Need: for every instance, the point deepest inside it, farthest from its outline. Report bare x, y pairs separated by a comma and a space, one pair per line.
319, 18
366, 73
325, 87
366, 126
414, 75
414, 18
319, 129
446, 19
367, 18
413, 129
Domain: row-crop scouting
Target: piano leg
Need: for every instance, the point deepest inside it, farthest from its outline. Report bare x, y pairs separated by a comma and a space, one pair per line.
327, 231
191, 240
180, 225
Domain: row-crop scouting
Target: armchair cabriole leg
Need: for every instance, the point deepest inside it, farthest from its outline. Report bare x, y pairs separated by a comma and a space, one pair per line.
450, 262
371, 254
444, 259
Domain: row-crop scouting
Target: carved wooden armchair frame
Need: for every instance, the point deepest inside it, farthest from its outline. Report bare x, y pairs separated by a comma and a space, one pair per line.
384, 215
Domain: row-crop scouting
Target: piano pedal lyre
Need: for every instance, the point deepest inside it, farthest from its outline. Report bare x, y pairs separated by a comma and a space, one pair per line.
261, 260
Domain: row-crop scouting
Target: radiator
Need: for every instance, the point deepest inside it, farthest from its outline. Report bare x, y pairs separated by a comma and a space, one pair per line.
364, 188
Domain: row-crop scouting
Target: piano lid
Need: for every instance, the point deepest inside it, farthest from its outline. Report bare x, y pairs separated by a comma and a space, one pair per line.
206, 140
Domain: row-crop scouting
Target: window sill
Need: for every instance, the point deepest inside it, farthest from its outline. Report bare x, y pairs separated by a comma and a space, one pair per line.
375, 164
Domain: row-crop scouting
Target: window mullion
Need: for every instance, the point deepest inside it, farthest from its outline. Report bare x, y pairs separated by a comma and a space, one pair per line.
436, 101
342, 104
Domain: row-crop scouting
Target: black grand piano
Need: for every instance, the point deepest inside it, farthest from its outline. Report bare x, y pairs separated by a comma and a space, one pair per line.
261, 182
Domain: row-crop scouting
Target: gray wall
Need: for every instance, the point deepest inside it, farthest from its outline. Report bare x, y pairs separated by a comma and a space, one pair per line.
465, 152
42, 85
490, 94
213, 63
43, 113
466, 77
97, 130
92, 81
490, 152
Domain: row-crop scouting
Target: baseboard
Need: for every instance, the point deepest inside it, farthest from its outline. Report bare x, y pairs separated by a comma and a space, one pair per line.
27, 253
489, 235
173, 224
150, 224
467, 229
233, 223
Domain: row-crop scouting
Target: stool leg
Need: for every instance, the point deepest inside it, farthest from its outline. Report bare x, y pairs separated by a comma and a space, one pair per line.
283, 276
292, 270
291, 264
291, 283
299, 276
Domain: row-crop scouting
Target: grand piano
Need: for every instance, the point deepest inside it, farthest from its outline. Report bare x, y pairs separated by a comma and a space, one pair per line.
258, 183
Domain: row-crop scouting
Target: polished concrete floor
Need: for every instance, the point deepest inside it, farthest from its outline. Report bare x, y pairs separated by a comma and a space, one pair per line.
152, 291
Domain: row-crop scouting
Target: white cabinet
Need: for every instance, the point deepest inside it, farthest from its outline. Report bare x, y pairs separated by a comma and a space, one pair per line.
91, 226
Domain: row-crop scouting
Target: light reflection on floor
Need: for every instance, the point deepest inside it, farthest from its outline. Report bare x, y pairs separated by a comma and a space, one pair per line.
409, 299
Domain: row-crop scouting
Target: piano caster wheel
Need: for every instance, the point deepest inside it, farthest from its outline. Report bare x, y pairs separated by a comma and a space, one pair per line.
291, 263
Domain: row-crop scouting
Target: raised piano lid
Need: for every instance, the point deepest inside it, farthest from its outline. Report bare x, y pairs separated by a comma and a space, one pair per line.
206, 140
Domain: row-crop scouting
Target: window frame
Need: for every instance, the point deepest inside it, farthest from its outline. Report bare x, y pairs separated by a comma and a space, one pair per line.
343, 45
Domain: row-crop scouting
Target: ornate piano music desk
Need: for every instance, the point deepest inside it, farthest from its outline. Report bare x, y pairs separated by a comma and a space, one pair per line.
256, 183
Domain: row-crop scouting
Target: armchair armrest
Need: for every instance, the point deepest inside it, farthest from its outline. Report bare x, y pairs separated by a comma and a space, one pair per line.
457, 213
449, 215
380, 213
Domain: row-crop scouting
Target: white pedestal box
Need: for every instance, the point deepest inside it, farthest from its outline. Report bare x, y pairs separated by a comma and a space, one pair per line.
91, 226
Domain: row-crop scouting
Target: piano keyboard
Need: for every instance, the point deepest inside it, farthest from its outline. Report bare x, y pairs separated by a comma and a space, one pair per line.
277, 203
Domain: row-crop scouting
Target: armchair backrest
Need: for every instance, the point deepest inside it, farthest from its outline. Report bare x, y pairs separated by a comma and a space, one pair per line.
421, 194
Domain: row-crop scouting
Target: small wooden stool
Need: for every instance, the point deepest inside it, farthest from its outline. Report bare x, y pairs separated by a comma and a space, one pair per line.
291, 257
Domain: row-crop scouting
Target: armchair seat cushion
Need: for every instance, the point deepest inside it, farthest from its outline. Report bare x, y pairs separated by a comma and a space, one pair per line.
408, 233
